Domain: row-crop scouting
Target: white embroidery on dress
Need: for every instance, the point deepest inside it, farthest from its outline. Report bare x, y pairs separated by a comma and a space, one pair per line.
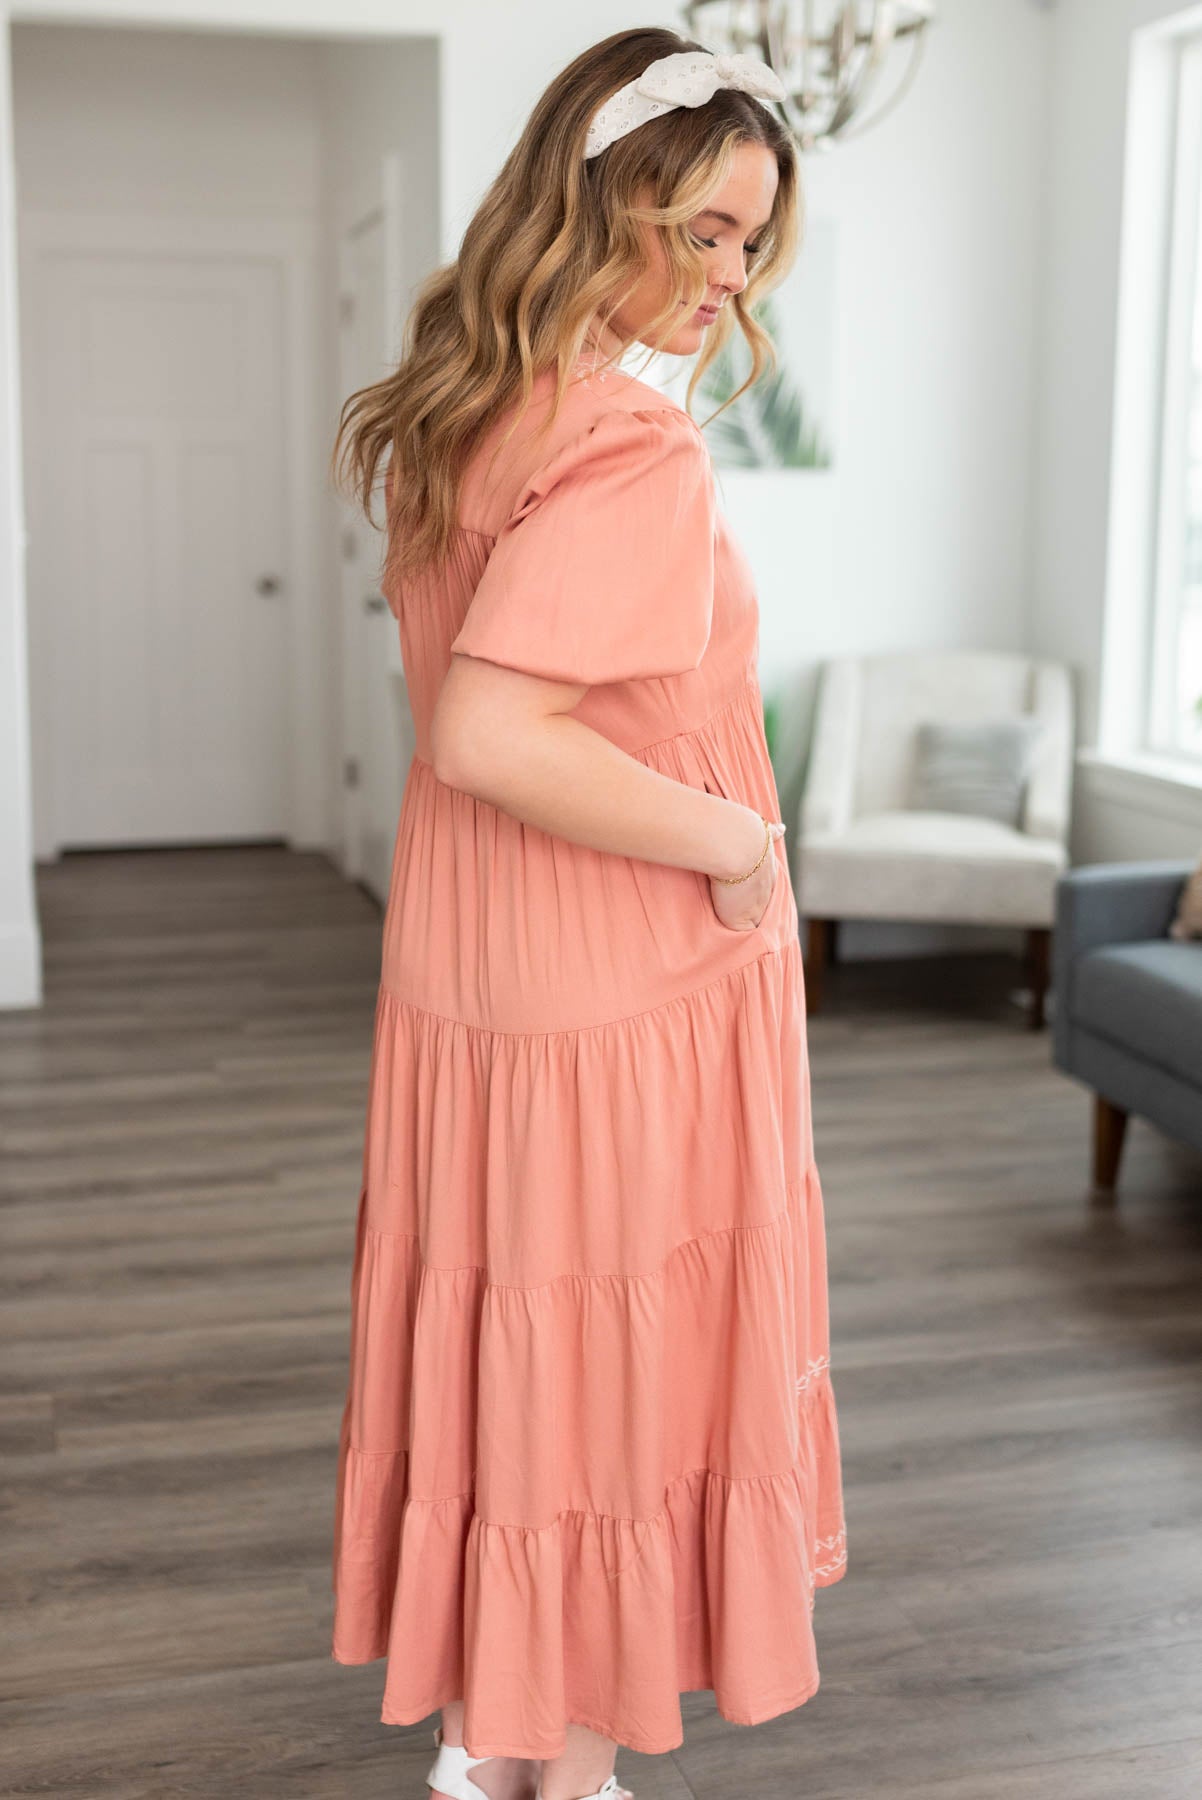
814, 1368
833, 1548
838, 1546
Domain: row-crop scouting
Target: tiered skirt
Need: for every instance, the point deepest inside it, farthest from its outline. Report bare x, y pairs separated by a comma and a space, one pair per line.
589, 1457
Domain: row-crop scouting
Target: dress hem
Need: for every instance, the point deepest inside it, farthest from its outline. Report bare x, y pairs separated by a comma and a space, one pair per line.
746, 1716
755, 1713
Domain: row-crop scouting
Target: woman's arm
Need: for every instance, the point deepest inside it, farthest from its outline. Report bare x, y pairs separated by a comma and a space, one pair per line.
506, 737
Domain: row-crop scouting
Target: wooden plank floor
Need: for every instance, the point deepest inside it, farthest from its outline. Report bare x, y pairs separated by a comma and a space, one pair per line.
1019, 1378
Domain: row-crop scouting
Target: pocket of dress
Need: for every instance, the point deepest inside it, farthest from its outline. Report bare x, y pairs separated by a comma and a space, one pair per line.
780, 915
769, 923
730, 931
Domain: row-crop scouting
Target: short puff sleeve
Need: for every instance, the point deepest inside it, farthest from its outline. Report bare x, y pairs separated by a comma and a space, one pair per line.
604, 571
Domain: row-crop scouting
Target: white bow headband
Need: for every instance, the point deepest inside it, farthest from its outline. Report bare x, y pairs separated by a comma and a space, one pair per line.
687, 78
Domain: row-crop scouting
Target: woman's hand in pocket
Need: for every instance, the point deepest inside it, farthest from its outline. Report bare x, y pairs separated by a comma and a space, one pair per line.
740, 905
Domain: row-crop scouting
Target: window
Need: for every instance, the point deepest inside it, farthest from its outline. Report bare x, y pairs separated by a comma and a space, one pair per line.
1173, 713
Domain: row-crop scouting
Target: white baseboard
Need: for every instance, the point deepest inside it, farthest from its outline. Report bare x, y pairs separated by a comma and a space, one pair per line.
20, 966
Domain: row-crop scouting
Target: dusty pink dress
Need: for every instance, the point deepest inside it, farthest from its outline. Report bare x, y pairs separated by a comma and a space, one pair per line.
589, 1458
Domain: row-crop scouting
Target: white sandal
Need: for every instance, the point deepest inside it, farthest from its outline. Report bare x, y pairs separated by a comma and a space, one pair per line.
449, 1771
609, 1790
449, 1775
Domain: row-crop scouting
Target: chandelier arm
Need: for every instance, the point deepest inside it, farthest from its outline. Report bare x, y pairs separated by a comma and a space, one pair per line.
884, 28
917, 50
775, 51
919, 14
776, 56
861, 84
864, 74
807, 42
848, 84
844, 34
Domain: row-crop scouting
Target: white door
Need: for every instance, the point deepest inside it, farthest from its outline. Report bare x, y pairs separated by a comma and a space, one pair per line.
378, 734
157, 546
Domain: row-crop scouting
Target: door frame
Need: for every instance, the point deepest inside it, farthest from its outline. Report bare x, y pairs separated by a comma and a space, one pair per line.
291, 243
382, 197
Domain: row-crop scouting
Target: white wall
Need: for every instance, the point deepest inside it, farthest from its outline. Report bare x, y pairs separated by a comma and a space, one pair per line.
939, 218
940, 214
165, 121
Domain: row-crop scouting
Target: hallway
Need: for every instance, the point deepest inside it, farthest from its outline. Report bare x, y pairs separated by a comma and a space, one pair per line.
1019, 1378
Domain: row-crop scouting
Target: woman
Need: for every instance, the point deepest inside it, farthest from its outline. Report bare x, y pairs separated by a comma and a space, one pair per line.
589, 1458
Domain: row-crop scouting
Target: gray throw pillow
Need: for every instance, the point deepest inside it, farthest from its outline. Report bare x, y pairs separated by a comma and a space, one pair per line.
979, 768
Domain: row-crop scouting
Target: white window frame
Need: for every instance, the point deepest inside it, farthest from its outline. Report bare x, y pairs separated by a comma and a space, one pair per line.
1182, 297
1150, 791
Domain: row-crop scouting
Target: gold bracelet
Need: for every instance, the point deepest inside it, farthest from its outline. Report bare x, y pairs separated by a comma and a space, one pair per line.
755, 865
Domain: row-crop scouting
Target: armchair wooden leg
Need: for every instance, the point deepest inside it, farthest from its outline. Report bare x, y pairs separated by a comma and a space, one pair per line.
817, 951
1109, 1129
1038, 957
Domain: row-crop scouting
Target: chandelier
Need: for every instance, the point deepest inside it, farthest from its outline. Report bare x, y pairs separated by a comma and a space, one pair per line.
829, 54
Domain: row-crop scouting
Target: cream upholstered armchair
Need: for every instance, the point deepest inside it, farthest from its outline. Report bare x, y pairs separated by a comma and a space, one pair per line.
864, 851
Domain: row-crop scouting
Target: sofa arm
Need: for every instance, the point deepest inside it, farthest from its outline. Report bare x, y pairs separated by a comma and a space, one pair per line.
1105, 903
1117, 903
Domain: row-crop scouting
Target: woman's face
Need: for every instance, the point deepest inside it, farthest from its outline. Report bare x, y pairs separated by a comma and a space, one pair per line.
726, 231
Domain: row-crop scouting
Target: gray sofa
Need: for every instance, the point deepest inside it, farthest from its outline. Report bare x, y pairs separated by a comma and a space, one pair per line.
1127, 1017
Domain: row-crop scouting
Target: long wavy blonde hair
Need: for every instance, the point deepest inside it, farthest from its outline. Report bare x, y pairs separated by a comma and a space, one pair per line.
554, 249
